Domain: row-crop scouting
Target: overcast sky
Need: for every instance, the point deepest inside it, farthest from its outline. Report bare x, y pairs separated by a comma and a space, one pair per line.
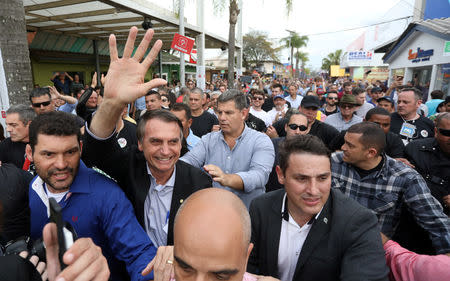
308, 17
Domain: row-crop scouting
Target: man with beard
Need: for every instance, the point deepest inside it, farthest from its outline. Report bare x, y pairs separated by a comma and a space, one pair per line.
331, 104
93, 204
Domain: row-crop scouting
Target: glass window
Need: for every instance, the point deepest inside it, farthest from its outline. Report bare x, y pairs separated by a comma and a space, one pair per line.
443, 79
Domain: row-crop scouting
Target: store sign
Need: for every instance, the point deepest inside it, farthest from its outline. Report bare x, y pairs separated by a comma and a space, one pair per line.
359, 55
420, 55
182, 43
447, 48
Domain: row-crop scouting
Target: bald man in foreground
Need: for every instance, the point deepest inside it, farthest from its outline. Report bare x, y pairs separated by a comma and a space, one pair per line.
211, 240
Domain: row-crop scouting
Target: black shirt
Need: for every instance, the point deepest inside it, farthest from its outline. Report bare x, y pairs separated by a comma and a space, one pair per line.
14, 200
424, 127
12, 152
127, 136
202, 125
364, 173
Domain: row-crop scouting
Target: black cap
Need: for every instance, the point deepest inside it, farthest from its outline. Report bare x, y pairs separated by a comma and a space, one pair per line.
310, 101
386, 98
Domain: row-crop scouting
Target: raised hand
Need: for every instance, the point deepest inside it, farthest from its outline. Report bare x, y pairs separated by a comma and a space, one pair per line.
124, 82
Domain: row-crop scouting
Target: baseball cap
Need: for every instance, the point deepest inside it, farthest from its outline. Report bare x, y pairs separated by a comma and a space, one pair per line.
278, 96
320, 91
310, 101
386, 98
376, 89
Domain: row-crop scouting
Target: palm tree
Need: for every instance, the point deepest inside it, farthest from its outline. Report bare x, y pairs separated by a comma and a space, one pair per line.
294, 41
332, 59
300, 56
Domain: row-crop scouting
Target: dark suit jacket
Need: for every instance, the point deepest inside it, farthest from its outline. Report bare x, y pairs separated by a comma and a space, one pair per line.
344, 242
128, 168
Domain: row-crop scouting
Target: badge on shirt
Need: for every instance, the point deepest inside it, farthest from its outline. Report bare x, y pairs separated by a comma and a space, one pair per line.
407, 130
424, 133
122, 142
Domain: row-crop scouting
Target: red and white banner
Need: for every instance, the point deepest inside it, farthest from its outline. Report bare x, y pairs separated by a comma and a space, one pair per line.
193, 57
182, 43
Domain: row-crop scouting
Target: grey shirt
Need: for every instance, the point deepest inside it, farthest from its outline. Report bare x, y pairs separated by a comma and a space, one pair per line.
340, 124
251, 158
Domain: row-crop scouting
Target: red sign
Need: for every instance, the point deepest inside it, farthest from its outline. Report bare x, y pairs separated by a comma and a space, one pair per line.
193, 57
182, 43
3, 114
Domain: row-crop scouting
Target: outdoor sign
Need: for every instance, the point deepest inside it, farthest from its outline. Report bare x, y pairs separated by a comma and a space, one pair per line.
193, 57
182, 43
447, 48
420, 55
359, 55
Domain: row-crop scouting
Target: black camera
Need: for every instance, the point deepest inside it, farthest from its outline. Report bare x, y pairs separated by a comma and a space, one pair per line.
34, 248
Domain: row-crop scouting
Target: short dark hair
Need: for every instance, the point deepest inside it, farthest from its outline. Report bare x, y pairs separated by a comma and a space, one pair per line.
417, 93
277, 85
182, 107
372, 135
258, 92
356, 91
26, 113
160, 114
153, 92
39, 92
240, 101
437, 94
378, 111
441, 116
55, 123
301, 144
346, 84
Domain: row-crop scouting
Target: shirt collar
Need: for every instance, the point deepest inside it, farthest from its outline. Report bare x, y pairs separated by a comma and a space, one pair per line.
170, 182
244, 132
286, 215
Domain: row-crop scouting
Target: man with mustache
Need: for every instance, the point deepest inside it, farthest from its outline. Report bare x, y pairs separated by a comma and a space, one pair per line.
93, 204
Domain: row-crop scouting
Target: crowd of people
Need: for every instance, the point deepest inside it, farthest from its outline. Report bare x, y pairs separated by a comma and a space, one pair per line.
277, 179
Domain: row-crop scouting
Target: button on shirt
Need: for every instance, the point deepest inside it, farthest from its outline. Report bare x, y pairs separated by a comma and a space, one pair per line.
191, 140
251, 158
157, 209
292, 238
340, 124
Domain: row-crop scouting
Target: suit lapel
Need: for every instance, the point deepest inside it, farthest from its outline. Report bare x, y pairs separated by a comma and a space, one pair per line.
143, 186
319, 229
273, 234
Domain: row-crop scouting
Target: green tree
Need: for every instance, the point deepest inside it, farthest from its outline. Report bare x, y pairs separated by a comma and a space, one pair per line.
294, 41
332, 59
256, 49
303, 57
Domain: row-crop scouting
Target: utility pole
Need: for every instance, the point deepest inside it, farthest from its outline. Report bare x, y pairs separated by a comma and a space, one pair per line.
181, 31
239, 40
292, 51
200, 42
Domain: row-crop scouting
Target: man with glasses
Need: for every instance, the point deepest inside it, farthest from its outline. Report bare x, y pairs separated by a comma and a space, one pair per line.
256, 110
330, 106
431, 158
346, 118
41, 100
297, 125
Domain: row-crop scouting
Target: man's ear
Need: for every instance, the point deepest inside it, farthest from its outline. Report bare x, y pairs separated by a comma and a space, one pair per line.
245, 112
140, 146
29, 152
280, 174
81, 146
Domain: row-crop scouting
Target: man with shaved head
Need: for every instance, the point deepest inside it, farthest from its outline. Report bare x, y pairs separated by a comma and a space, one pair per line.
211, 240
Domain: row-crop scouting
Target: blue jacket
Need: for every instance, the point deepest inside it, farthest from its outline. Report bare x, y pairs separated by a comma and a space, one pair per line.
97, 208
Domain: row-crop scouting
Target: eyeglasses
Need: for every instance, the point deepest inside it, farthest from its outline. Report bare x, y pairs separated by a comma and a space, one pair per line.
345, 106
294, 127
444, 132
255, 98
38, 104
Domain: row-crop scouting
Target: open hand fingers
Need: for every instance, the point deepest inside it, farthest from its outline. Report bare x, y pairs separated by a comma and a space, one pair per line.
113, 55
143, 46
129, 45
153, 53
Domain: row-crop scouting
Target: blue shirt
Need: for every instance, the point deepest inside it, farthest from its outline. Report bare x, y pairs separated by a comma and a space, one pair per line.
64, 87
432, 106
339, 123
97, 208
140, 103
191, 140
251, 158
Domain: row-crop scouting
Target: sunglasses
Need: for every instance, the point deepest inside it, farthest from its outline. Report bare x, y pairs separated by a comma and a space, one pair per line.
444, 132
294, 127
164, 100
38, 104
345, 106
332, 98
258, 98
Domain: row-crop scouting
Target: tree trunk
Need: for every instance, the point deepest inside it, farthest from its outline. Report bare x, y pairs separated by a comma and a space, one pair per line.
15, 54
296, 68
292, 59
234, 12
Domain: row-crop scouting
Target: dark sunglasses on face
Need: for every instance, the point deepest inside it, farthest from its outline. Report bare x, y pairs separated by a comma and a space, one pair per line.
255, 98
332, 98
38, 104
444, 132
345, 106
164, 100
294, 127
